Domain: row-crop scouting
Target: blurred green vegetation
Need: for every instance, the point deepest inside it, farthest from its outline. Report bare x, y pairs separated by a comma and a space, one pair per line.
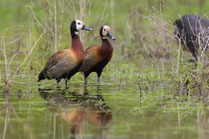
15, 12
142, 28
126, 18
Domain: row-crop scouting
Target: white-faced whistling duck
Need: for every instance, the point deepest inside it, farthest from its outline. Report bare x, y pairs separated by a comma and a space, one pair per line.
97, 57
67, 62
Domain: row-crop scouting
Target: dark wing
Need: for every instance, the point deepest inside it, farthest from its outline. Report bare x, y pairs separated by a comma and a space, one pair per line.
60, 63
91, 58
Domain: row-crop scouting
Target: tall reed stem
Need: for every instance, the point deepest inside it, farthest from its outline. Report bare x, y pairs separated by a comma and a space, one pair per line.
6, 66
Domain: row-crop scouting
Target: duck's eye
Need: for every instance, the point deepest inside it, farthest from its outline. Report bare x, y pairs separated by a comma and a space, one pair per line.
79, 23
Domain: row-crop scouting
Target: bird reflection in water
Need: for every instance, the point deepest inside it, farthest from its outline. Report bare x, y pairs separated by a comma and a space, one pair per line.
79, 108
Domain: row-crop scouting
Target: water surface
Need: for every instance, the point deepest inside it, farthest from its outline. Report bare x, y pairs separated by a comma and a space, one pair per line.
122, 106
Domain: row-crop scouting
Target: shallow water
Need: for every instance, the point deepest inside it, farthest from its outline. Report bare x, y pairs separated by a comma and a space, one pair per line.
118, 108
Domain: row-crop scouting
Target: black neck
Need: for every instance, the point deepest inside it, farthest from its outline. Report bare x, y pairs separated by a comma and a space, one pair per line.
73, 34
105, 41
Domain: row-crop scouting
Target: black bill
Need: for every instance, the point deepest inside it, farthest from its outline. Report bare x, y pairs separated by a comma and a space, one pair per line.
86, 28
110, 36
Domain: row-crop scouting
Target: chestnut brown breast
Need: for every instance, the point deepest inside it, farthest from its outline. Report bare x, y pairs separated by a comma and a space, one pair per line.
105, 51
77, 48
96, 54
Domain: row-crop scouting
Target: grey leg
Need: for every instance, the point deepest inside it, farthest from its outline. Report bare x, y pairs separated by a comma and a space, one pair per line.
85, 81
66, 83
99, 81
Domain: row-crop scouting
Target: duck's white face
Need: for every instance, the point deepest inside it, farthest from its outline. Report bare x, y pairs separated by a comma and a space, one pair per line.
105, 30
79, 25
